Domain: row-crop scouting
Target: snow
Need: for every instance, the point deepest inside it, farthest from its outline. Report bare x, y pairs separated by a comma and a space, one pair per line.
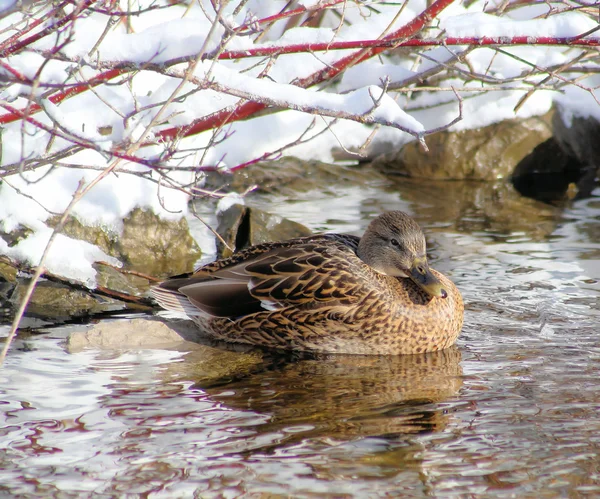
371, 73
480, 24
367, 101
67, 257
115, 115
576, 101
228, 201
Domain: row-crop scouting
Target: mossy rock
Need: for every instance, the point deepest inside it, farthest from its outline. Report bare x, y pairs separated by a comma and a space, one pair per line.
146, 243
241, 227
15, 236
290, 176
578, 136
55, 301
121, 282
487, 153
8, 271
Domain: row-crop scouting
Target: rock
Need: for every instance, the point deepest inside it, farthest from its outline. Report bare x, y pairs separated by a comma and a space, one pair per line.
550, 175
268, 227
565, 166
58, 302
147, 243
578, 137
122, 282
241, 227
121, 334
233, 228
470, 207
487, 153
202, 363
8, 281
290, 176
8, 271
155, 246
15, 236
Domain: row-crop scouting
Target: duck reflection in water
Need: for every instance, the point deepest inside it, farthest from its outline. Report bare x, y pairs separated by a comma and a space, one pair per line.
341, 396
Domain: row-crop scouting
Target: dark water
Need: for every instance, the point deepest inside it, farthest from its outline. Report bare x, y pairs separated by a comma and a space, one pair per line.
512, 411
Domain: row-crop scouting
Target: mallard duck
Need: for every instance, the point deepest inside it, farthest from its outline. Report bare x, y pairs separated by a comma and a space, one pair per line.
334, 293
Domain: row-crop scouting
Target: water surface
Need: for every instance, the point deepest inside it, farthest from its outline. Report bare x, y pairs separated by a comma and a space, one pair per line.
512, 411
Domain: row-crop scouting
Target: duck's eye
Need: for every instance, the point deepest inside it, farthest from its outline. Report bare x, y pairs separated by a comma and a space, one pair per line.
395, 242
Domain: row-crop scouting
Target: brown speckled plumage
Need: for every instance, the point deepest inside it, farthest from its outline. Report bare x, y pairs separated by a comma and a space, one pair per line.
316, 293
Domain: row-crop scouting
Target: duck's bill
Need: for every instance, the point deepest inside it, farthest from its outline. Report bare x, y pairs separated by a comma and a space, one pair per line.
422, 276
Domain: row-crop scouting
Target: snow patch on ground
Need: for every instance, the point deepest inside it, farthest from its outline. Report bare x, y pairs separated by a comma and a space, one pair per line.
70, 258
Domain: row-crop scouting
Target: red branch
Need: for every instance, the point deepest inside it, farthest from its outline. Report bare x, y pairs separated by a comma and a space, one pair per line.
74, 90
213, 120
402, 37
31, 25
416, 42
17, 74
82, 143
7, 49
405, 32
249, 108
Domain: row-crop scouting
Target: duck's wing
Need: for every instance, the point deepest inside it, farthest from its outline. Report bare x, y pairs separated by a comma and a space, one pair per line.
309, 271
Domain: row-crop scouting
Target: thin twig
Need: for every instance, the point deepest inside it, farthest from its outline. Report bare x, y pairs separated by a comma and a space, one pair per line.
39, 270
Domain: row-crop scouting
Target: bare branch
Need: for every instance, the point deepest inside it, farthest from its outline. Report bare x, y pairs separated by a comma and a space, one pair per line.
39, 271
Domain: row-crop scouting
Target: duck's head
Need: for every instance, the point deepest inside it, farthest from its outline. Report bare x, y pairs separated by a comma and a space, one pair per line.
394, 244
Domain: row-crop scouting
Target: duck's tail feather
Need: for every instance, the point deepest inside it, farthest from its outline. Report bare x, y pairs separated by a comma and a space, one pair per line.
174, 301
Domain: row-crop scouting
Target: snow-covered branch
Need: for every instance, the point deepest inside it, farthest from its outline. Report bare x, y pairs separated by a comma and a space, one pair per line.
108, 81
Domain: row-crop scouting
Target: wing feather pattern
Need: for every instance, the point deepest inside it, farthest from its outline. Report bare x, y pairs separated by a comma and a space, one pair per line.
275, 275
